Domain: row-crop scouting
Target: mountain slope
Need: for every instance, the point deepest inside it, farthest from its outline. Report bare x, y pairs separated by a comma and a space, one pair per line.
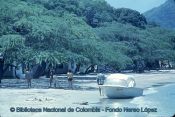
163, 15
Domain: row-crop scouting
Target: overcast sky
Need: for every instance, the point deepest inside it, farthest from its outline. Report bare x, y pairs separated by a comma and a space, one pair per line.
139, 5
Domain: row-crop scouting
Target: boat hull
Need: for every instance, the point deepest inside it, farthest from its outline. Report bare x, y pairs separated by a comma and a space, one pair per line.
114, 92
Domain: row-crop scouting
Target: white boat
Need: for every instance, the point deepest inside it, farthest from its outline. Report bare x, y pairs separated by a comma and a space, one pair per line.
120, 86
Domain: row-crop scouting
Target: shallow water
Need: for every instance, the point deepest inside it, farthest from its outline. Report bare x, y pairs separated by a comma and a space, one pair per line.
160, 98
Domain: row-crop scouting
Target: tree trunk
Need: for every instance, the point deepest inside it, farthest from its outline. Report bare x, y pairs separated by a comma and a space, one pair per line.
1, 68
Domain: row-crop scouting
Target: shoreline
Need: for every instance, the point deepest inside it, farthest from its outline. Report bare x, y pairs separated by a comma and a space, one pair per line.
88, 93
88, 82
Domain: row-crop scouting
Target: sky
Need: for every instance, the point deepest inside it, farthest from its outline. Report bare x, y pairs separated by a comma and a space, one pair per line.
139, 5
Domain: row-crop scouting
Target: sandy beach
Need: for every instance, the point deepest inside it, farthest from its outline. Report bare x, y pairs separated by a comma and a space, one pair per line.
86, 95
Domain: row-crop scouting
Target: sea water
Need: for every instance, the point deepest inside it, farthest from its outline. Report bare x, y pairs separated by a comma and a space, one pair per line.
156, 101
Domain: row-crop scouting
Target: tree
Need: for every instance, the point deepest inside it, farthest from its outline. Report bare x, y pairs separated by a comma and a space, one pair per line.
12, 46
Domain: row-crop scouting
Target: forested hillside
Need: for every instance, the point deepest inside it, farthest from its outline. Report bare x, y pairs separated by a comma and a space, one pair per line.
163, 15
86, 31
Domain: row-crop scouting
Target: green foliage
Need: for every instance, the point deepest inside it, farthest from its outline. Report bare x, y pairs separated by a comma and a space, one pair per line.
86, 31
125, 15
149, 45
12, 45
94, 12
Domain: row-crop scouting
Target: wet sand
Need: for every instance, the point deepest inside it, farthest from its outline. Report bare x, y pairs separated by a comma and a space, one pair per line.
86, 94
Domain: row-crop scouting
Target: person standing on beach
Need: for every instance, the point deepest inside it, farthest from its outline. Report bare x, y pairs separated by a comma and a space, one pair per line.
100, 81
70, 78
29, 78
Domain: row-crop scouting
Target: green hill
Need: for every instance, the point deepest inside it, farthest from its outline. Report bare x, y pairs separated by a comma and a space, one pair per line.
86, 31
163, 15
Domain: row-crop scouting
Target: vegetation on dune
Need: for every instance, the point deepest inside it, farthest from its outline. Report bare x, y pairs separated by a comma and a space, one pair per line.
87, 31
